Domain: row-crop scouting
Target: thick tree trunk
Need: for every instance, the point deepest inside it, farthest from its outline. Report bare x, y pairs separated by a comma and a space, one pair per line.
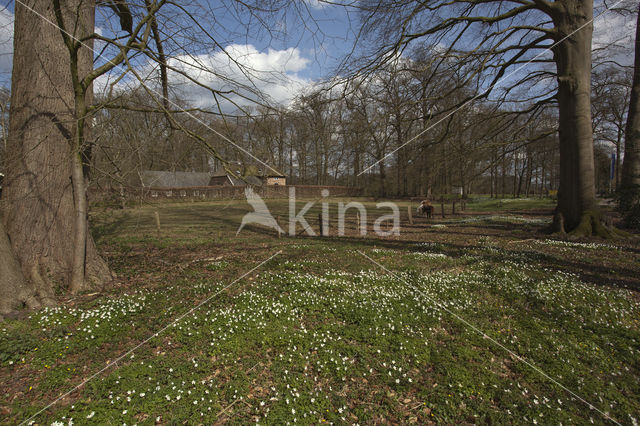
15, 292
576, 192
631, 164
42, 189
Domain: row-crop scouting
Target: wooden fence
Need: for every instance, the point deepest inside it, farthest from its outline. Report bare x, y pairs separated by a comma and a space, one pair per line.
226, 192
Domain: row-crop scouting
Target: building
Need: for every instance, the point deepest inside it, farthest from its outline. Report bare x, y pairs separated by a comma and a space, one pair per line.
171, 180
168, 180
224, 178
271, 180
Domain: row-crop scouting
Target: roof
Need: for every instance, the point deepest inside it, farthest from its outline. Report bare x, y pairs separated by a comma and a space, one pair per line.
251, 180
166, 179
220, 173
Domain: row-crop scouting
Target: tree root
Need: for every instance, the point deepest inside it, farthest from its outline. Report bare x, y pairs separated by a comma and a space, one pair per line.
15, 291
591, 224
21, 293
42, 285
557, 226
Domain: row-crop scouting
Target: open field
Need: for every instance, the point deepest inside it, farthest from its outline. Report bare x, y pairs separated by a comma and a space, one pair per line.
321, 333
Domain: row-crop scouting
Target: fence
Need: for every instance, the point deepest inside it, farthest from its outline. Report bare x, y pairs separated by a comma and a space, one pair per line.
227, 192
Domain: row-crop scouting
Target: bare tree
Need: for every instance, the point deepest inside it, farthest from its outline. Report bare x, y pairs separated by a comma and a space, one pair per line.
630, 181
611, 92
492, 38
44, 193
52, 112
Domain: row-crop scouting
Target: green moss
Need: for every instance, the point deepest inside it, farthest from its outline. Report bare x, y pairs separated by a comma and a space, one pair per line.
591, 224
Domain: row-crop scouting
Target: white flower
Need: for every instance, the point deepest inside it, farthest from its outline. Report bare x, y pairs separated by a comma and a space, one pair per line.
93, 413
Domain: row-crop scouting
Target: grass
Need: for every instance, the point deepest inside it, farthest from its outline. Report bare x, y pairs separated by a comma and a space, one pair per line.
484, 204
320, 334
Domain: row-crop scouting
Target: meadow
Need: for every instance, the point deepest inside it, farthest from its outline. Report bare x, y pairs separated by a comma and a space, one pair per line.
475, 318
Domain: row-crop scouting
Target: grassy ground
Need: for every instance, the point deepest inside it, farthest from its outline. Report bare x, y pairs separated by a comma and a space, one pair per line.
320, 333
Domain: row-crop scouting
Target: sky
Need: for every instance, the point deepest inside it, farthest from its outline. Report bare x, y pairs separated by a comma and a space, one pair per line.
284, 62
287, 61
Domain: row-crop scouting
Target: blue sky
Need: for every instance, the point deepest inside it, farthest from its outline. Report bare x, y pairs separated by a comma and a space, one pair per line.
305, 45
280, 58
313, 50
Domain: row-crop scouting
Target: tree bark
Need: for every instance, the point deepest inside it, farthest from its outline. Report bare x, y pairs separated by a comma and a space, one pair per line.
383, 178
631, 165
14, 290
44, 182
572, 55
504, 172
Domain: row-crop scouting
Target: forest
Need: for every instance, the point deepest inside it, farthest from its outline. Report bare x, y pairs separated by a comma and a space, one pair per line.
406, 212
330, 136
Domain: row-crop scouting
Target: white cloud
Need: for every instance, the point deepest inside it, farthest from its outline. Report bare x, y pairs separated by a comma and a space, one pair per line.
253, 76
273, 73
316, 4
615, 35
269, 76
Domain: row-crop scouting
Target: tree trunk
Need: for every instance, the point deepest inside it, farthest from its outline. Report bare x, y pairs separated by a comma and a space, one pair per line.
543, 171
515, 173
492, 175
43, 188
631, 165
617, 165
383, 178
576, 192
521, 178
504, 172
528, 178
14, 291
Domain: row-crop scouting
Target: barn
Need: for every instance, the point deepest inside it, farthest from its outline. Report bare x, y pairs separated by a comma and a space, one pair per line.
168, 179
270, 180
224, 178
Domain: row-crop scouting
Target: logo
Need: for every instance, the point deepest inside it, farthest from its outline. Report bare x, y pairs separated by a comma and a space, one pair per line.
262, 216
